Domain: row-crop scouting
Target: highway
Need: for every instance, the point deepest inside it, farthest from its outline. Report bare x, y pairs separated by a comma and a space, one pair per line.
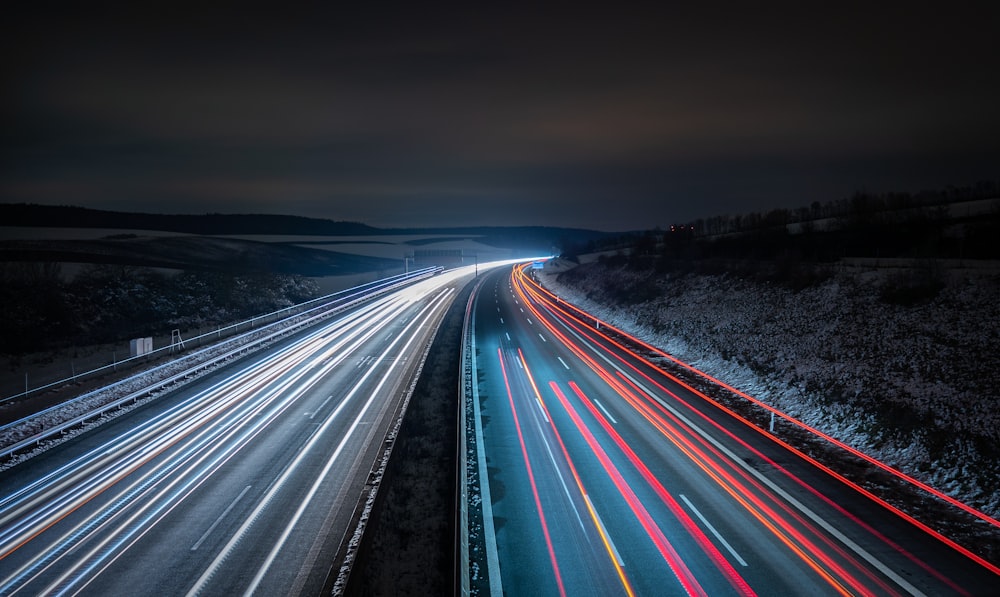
242, 482
608, 476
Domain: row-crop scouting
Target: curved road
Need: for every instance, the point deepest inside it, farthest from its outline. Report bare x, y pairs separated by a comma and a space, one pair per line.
608, 476
242, 482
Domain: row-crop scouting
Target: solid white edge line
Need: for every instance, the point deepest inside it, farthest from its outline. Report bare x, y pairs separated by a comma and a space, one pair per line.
829, 528
278, 483
868, 557
489, 531
322, 477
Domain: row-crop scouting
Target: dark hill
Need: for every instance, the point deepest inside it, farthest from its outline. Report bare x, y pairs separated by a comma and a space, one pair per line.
199, 253
64, 216
525, 239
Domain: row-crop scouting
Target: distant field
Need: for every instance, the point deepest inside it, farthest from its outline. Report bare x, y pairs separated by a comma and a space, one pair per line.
366, 238
387, 247
308, 255
33, 233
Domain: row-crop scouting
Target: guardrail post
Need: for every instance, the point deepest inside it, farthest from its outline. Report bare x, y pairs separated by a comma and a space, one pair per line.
334, 301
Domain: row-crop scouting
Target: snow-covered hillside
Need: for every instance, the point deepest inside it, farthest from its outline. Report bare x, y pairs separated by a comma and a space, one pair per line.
915, 386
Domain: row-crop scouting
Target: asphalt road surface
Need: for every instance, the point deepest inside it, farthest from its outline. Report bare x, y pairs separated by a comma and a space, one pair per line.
608, 477
242, 482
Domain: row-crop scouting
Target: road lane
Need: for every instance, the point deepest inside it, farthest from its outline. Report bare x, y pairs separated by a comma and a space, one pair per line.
690, 497
242, 482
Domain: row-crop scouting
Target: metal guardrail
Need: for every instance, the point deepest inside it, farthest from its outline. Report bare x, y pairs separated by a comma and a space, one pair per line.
202, 359
476, 569
465, 381
234, 328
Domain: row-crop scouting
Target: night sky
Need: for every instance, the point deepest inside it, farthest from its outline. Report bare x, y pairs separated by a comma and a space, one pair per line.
608, 118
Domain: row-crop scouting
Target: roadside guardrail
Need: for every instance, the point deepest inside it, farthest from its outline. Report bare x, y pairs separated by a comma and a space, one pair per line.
37, 430
212, 336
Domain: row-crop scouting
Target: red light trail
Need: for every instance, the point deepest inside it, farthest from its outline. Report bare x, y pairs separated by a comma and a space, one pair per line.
822, 548
531, 479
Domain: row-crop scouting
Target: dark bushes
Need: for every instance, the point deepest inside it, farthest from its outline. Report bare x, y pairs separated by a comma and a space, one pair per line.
107, 303
913, 286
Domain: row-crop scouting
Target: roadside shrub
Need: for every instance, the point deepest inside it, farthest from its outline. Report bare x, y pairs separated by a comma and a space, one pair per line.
913, 287
107, 303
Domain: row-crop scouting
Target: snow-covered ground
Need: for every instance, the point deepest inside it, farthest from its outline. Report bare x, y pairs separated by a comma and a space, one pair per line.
106, 403
176, 373
915, 387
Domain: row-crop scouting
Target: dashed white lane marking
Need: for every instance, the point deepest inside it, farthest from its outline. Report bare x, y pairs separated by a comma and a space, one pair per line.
219, 519
605, 411
714, 532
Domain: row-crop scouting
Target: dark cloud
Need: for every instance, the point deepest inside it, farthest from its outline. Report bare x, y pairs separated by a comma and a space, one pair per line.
413, 115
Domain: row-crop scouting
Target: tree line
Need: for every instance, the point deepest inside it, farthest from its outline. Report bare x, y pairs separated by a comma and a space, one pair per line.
859, 207
109, 303
891, 225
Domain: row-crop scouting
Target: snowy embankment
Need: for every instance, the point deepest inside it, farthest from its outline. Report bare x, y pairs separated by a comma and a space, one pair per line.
109, 402
914, 386
34, 434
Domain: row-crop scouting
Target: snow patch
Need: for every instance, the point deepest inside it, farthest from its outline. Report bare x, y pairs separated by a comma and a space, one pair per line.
915, 387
